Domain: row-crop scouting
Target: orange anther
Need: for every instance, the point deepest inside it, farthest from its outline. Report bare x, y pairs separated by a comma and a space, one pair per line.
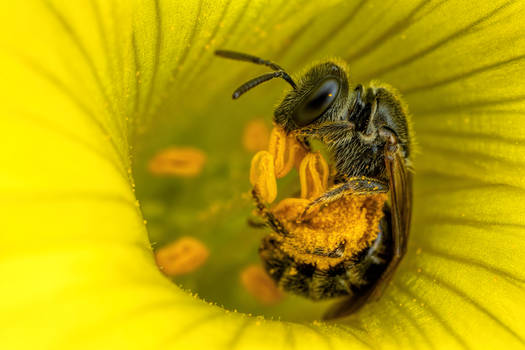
285, 150
260, 285
183, 256
178, 161
313, 174
262, 176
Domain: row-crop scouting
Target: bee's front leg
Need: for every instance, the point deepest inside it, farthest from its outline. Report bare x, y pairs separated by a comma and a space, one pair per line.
327, 131
355, 186
270, 219
284, 152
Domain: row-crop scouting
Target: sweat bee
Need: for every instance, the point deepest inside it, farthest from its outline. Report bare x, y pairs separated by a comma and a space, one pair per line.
367, 134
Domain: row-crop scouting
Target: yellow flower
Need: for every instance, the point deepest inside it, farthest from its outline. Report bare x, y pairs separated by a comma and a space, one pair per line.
91, 90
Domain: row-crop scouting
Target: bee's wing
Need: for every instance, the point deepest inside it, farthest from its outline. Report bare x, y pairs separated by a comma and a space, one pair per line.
400, 199
401, 211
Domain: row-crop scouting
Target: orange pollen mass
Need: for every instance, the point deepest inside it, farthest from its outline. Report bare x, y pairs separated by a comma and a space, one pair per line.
352, 220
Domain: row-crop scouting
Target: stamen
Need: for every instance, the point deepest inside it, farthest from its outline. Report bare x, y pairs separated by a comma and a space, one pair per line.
178, 161
285, 149
255, 136
257, 282
262, 176
183, 256
313, 174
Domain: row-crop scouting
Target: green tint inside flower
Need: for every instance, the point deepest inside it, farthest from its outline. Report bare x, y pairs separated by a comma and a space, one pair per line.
93, 90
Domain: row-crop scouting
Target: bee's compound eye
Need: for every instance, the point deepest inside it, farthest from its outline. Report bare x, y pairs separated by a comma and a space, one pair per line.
317, 103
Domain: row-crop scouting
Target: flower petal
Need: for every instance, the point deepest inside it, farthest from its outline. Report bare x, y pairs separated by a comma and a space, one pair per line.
85, 80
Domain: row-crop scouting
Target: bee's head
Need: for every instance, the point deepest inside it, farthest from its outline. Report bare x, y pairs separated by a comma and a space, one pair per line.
321, 95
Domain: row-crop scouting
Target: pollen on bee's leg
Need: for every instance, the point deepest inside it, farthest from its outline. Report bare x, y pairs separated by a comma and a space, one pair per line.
261, 286
262, 176
290, 208
255, 136
286, 150
183, 256
178, 161
313, 175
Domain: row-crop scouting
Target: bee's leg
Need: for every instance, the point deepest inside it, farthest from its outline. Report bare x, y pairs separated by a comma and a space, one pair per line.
358, 104
363, 113
327, 131
303, 141
270, 219
355, 185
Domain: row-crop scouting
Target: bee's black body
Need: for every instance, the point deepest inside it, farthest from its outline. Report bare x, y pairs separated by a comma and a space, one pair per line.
347, 278
367, 134
348, 126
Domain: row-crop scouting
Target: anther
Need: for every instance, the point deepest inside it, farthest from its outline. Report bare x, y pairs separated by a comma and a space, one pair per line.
285, 150
262, 176
183, 256
257, 282
313, 174
178, 161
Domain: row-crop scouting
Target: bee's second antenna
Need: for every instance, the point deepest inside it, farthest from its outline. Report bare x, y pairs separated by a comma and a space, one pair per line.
239, 56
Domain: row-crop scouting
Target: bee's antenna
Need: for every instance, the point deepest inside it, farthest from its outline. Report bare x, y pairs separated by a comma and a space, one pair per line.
279, 72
